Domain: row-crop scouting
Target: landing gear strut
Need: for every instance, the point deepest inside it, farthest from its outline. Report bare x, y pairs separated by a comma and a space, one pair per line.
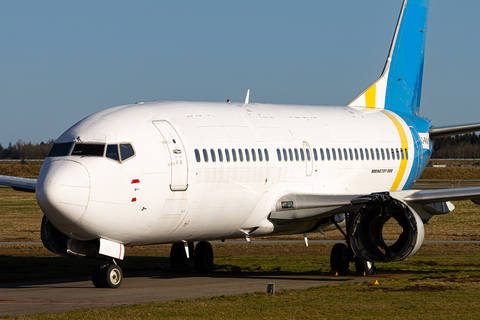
107, 275
342, 254
202, 256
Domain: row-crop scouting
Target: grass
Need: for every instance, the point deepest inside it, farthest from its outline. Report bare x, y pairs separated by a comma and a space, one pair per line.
20, 216
452, 173
20, 170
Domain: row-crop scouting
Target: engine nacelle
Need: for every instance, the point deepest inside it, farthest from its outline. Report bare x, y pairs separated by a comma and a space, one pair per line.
52, 238
366, 229
58, 243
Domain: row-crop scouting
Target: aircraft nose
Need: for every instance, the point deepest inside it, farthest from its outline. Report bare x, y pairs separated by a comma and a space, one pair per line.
63, 191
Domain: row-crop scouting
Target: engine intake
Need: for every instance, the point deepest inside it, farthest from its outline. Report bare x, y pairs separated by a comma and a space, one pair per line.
58, 243
366, 229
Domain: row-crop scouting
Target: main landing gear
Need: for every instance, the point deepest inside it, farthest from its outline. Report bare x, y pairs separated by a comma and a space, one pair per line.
107, 275
202, 256
342, 255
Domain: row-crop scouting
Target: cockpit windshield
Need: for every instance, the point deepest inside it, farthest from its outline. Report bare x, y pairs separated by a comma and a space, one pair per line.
60, 150
118, 152
92, 150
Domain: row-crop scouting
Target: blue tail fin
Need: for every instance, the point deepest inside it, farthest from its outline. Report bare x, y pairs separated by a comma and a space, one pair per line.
400, 85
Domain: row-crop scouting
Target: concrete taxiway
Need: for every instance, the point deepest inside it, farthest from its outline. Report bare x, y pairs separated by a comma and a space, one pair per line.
53, 296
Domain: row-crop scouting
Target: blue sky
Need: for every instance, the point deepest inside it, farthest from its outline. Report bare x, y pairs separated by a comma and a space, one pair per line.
64, 60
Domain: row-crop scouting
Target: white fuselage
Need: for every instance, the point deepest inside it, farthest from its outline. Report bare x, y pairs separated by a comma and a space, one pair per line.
169, 192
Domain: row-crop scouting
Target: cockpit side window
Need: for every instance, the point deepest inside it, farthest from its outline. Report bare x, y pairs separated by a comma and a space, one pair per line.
60, 150
92, 150
126, 151
112, 152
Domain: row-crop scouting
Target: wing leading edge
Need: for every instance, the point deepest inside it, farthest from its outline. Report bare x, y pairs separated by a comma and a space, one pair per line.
19, 184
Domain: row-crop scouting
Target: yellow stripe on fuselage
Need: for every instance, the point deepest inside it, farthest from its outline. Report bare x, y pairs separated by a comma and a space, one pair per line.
370, 96
404, 141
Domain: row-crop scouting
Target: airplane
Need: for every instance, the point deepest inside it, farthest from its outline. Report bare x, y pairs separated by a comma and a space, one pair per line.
182, 173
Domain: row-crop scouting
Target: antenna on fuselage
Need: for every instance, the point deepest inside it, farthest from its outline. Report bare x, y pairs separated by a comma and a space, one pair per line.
247, 98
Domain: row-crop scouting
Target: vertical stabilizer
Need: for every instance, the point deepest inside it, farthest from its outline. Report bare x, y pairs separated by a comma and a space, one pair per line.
400, 85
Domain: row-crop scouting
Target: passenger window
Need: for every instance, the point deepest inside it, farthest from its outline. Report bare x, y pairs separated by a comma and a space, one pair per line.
334, 154
302, 155
393, 154
401, 152
266, 155
112, 152
227, 155
361, 154
328, 153
378, 154
279, 154
205, 155
220, 155
339, 154
254, 158
406, 153
234, 155
322, 155
296, 154
356, 154
345, 154
126, 151
398, 154
308, 154
197, 155
372, 154
315, 154
247, 155
290, 153
351, 154
284, 154
212, 152
388, 153
383, 153
240, 155
260, 155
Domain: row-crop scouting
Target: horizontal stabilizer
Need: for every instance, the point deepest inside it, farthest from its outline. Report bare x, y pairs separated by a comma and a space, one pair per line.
447, 131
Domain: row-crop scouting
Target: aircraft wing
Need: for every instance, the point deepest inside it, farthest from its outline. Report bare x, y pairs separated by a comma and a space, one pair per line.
302, 207
19, 184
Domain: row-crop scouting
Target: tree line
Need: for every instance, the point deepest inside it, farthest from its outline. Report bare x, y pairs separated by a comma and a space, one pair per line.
26, 150
463, 146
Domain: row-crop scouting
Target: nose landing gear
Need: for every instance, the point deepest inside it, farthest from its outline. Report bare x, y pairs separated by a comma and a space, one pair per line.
107, 275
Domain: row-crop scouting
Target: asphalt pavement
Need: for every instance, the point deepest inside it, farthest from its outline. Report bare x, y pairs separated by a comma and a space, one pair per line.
54, 296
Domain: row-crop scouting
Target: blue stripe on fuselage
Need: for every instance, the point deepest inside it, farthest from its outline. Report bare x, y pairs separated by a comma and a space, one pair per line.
419, 154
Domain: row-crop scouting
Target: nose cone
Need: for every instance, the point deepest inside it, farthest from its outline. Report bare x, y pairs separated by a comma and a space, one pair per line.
63, 191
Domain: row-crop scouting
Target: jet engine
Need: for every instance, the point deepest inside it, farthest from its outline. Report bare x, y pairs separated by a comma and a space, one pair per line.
58, 243
52, 238
367, 229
